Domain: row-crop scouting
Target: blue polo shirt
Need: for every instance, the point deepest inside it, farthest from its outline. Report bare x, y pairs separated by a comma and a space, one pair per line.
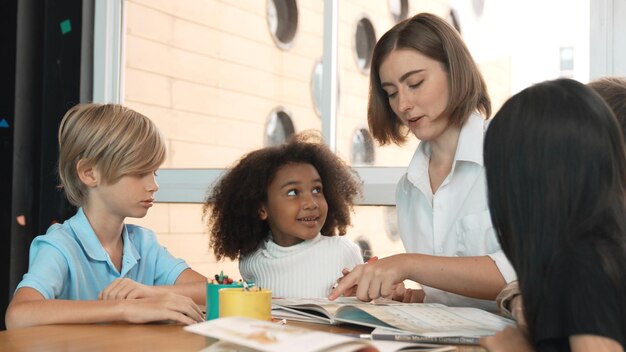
68, 262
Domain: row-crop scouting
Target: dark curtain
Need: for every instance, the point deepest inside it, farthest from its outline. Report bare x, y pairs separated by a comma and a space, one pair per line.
47, 83
8, 26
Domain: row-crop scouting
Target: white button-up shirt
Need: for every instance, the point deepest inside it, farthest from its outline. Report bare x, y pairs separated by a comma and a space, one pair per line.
455, 221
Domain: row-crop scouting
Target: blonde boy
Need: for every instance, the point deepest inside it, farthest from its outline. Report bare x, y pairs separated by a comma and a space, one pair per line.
94, 268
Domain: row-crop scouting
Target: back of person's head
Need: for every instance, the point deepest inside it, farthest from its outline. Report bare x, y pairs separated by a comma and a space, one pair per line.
613, 91
112, 138
234, 223
433, 37
556, 173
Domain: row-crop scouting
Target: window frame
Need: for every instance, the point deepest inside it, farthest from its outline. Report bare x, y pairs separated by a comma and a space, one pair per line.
190, 185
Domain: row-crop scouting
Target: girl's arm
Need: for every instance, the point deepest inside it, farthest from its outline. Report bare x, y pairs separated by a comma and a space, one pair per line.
29, 308
189, 283
579, 343
476, 277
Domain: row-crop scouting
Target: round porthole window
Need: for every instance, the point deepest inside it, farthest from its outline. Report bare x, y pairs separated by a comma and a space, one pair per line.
282, 20
479, 6
362, 147
366, 248
316, 86
364, 42
279, 128
453, 18
391, 223
399, 9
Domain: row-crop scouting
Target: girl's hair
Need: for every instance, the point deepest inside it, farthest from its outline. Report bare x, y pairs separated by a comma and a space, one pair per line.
433, 37
232, 209
116, 140
556, 171
613, 91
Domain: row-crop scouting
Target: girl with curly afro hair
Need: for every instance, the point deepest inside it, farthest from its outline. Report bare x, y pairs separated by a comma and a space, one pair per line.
283, 211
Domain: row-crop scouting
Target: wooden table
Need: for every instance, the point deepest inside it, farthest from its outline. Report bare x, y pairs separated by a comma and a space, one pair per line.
128, 337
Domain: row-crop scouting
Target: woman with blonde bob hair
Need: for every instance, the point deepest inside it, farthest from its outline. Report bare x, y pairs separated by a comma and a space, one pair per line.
424, 81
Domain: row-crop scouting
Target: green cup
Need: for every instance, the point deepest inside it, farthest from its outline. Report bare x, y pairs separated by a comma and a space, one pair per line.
213, 298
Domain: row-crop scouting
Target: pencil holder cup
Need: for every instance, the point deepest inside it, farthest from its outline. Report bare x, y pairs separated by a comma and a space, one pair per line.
256, 304
213, 299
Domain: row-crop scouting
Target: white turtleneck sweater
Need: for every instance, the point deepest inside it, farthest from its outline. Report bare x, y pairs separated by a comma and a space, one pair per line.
306, 270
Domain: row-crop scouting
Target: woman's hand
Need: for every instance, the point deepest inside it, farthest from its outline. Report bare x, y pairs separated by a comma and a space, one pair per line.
511, 339
372, 280
350, 291
407, 295
517, 311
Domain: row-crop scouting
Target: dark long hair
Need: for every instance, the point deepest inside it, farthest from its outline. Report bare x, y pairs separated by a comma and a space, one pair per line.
613, 91
556, 174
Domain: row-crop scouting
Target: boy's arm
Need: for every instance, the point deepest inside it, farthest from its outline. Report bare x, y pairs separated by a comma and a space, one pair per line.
29, 308
192, 284
189, 283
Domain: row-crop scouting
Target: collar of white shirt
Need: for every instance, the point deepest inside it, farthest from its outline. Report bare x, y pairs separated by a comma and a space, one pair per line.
469, 148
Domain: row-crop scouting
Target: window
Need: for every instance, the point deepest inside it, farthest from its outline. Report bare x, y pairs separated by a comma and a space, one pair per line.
279, 128
567, 61
282, 20
478, 6
362, 147
237, 90
399, 9
316, 86
453, 18
391, 223
364, 42
366, 248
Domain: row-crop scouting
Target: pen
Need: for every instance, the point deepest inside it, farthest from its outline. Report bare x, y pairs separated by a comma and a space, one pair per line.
359, 336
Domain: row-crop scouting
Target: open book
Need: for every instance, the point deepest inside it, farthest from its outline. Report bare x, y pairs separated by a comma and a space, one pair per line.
435, 323
245, 334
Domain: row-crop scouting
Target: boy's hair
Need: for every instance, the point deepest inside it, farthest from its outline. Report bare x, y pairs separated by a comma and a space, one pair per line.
433, 37
112, 138
555, 165
613, 91
232, 209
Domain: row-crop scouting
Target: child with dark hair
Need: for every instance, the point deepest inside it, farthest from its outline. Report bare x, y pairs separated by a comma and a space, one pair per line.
613, 91
283, 211
556, 177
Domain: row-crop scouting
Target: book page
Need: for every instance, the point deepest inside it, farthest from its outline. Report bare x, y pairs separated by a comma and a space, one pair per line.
420, 318
433, 320
245, 334
297, 315
270, 337
321, 305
